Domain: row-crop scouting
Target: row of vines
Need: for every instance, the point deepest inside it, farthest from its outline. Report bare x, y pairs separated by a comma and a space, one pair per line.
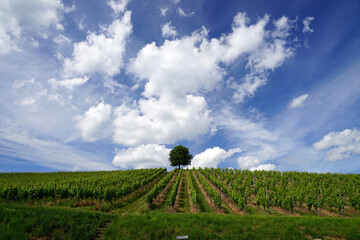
101, 185
288, 190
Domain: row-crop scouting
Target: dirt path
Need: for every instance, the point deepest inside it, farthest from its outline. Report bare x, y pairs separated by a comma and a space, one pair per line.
191, 204
224, 198
207, 198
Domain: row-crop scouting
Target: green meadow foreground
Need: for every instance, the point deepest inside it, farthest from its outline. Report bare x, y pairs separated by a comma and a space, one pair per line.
199, 204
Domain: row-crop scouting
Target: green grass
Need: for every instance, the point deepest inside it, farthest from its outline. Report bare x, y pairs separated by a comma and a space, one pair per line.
24, 222
214, 226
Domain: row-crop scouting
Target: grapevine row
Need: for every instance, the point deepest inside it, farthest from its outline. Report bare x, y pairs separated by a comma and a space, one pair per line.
155, 191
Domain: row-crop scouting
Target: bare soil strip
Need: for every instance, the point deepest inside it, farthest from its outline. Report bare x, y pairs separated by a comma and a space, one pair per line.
162, 196
207, 198
224, 198
192, 207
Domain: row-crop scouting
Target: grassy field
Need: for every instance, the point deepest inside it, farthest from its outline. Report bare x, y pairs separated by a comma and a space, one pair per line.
133, 218
41, 222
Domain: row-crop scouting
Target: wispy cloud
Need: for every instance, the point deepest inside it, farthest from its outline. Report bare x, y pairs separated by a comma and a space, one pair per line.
298, 102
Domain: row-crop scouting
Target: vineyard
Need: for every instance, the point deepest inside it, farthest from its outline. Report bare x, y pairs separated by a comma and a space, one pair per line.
225, 193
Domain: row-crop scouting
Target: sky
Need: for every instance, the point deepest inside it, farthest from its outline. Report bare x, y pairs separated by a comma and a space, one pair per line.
116, 84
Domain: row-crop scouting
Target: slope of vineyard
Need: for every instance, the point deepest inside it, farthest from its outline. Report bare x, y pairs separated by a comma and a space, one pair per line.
285, 200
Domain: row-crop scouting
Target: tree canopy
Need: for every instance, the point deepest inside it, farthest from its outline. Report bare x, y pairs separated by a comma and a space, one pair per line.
180, 155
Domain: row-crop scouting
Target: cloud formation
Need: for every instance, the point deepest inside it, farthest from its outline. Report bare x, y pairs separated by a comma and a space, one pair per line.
306, 23
211, 157
343, 144
143, 156
101, 53
118, 6
298, 102
18, 16
168, 31
68, 83
182, 13
93, 119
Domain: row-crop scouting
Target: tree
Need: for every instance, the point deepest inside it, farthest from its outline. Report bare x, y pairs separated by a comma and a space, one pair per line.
180, 156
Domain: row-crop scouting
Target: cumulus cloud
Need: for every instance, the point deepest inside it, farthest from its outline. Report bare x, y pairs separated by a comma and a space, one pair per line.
298, 102
68, 83
178, 72
306, 23
252, 163
182, 13
91, 122
177, 67
168, 30
17, 16
143, 156
161, 121
211, 157
101, 53
343, 144
118, 6
266, 167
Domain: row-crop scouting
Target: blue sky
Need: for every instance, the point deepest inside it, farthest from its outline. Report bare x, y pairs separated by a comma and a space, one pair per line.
93, 85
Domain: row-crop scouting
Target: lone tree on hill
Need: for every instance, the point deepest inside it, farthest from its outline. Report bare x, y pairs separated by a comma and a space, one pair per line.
180, 156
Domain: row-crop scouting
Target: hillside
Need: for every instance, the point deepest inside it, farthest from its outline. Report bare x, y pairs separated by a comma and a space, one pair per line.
200, 204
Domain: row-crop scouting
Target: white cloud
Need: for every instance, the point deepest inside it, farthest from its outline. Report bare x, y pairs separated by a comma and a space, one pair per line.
118, 6
161, 120
101, 53
181, 69
93, 119
252, 163
306, 23
68, 83
182, 13
163, 11
61, 39
211, 157
17, 16
168, 30
343, 144
176, 1
143, 156
269, 53
177, 67
298, 102
266, 167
